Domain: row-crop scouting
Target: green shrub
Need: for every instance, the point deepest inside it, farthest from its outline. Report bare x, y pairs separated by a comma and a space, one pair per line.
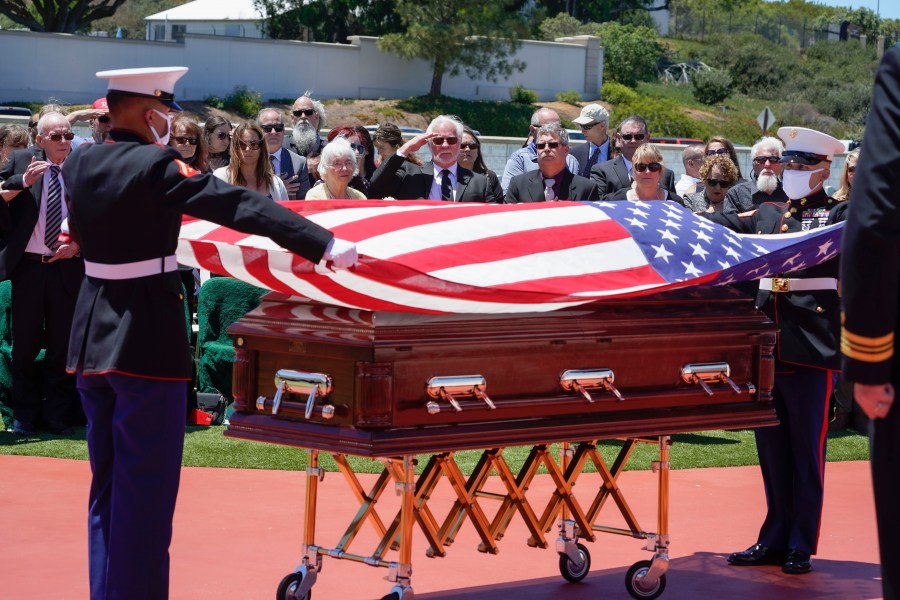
741, 56
215, 102
488, 117
630, 52
711, 86
615, 93
244, 101
522, 95
664, 117
569, 97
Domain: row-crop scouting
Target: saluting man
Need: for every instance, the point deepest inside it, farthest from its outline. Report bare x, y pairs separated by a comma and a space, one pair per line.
129, 341
805, 305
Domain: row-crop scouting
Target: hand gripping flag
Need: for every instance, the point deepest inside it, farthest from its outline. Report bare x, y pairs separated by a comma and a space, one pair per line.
438, 257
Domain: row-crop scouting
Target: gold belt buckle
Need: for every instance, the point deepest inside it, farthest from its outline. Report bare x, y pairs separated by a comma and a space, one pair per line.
781, 284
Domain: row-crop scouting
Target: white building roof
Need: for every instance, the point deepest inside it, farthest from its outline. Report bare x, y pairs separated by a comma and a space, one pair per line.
211, 10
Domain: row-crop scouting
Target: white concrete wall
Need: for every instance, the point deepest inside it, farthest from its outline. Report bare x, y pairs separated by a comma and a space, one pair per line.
63, 66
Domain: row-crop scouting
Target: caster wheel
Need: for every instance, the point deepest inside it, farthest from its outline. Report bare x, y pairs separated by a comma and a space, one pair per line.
288, 586
639, 589
575, 572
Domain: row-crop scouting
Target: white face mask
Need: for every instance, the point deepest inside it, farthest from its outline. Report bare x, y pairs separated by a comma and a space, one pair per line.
162, 139
796, 183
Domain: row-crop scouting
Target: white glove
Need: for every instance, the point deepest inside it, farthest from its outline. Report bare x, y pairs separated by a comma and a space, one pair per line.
341, 253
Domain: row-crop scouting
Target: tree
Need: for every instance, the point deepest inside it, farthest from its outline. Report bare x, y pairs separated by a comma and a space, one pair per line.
629, 53
474, 36
130, 17
328, 20
58, 16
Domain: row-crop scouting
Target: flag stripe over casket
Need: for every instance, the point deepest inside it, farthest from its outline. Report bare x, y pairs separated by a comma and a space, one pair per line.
438, 257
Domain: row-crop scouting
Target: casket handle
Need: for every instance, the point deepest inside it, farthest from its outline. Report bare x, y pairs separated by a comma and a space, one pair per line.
314, 385
449, 386
582, 380
702, 373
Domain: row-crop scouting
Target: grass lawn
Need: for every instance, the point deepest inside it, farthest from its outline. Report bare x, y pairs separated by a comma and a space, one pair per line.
207, 447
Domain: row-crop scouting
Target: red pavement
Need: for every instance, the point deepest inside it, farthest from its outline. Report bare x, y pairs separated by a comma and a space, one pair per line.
237, 533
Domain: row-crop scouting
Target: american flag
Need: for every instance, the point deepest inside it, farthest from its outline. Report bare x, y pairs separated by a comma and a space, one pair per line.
438, 257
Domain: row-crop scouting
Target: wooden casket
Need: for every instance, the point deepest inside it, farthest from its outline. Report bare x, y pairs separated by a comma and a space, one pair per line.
388, 384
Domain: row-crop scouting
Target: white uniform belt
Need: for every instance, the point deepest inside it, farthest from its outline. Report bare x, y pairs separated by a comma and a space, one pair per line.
132, 270
784, 284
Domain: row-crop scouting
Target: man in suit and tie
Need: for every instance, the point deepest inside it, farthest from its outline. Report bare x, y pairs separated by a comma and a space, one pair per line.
525, 158
45, 273
594, 123
552, 181
440, 179
288, 165
615, 174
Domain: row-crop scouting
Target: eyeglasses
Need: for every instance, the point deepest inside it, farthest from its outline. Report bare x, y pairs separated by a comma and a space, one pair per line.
222, 135
468, 146
719, 151
761, 160
589, 126
337, 166
303, 112
103, 119
251, 145
635, 136
190, 141
552, 145
358, 148
279, 127
439, 140
718, 183
32, 124
851, 169
644, 167
58, 137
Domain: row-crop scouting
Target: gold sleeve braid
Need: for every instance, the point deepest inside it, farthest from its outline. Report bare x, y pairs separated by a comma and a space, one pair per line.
867, 349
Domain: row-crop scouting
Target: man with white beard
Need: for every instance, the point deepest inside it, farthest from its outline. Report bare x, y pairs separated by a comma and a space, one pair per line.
765, 184
307, 117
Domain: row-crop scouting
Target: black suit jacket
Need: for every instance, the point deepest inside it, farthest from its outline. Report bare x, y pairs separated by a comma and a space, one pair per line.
613, 175
402, 180
582, 154
529, 187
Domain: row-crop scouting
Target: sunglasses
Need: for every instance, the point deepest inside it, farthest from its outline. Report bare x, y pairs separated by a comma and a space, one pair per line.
58, 137
439, 141
761, 160
653, 167
468, 146
190, 141
303, 112
252, 145
629, 136
719, 151
589, 126
279, 127
103, 119
552, 145
32, 124
851, 169
718, 183
222, 135
358, 148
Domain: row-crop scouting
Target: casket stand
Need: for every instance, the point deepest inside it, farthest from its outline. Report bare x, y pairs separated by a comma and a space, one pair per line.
392, 386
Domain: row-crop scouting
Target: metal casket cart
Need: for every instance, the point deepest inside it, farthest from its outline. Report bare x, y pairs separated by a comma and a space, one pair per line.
392, 386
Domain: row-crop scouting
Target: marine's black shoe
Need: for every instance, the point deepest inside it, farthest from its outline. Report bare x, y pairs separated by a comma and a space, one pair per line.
797, 562
756, 555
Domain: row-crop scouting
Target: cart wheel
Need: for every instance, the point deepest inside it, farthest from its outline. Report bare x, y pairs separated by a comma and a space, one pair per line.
391, 596
288, 586
640, 589
574, 572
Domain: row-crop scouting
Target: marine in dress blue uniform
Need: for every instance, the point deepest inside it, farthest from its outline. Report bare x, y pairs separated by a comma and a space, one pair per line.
805, 306
128, 344
870, 276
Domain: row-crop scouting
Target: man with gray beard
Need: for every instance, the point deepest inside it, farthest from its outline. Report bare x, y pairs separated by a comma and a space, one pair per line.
307, 117
764, 185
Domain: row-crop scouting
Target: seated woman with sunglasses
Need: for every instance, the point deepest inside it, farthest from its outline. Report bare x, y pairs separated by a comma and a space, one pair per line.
217, 132
847, 175
361, 177
250, 166
186, 138
338, 165
647, 171
470, 158
718, 175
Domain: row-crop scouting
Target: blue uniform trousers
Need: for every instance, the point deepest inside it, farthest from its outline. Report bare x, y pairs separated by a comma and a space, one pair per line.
135, 436
792, 458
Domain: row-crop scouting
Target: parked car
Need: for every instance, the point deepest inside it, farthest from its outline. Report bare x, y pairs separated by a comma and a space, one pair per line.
676, 140
15, 114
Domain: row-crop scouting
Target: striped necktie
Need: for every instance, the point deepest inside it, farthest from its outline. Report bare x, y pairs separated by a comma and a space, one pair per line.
54, 210
446, 185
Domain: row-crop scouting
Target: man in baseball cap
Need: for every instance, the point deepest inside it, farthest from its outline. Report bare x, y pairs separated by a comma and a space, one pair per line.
594, 122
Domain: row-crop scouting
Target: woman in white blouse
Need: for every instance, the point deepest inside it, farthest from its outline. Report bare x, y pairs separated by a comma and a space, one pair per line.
250, 166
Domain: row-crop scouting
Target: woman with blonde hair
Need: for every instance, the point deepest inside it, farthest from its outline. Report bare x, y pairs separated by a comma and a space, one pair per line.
847, 175
647, 171
250, 166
